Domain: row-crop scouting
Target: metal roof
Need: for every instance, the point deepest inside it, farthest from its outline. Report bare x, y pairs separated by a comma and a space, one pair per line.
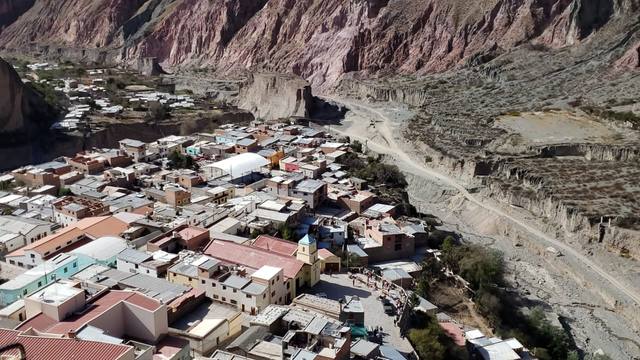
41, 348
240, 165
316, 325
363, 348
254, 289
134, 256
395, 274
356, 250
391, 353
184, 269
156, 288
236, 282
102, 248
310, 185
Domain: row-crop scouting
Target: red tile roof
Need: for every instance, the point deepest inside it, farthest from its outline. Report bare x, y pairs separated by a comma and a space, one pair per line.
253, 257
191, 232
48, 348
277, 245
325, 254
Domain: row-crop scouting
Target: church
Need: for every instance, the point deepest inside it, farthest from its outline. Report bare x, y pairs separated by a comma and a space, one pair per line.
299, 261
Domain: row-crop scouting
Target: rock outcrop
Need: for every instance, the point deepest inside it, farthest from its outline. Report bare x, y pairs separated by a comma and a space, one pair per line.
22, 110
272, 96
631, 59
319, 40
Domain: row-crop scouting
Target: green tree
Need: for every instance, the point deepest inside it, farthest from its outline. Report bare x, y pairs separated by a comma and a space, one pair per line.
427, 344
157, 112
63, 191
414, 300
573, 355
286, 232
181, 161
356, 146
423, 286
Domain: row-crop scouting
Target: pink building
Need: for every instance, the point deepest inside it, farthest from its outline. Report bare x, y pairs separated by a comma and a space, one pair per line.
61, 309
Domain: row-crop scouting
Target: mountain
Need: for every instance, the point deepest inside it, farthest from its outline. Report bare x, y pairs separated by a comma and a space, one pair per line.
319, 40
23, 111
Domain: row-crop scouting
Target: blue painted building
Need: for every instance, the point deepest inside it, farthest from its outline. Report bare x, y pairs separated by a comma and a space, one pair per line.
61, 266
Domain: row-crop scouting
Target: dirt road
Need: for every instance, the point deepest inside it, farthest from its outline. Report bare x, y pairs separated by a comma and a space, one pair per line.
391, 147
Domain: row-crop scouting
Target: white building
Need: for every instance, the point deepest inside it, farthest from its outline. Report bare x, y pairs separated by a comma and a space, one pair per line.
235, 167
16, 232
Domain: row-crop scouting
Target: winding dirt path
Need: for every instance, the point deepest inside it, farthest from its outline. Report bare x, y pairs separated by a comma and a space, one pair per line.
394, 150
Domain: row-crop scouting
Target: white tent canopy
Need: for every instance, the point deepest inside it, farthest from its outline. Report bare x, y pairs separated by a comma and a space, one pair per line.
237, 166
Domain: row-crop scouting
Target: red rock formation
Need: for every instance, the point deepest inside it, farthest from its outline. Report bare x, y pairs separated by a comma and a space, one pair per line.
317, 39
71, 23
631, 59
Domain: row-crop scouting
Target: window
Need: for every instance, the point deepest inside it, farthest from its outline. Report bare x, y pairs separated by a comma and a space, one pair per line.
190, 279
224, 287
287, 284
39, 283
398, 245
202, 282
235, 291
75, 264
32, 256
248, 296
136, 266
24, 292
233, 302
224, 298
215, 296
273, 293
65, 269
264, 296
58, 247
69, 242
213, 284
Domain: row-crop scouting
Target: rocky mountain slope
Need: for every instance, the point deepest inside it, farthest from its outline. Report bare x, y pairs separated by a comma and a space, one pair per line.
23, 112
318, 39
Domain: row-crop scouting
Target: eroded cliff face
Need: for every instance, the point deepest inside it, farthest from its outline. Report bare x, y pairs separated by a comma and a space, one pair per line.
22, 110
319, 40
631, 59
68, 23
11, 116
272, 96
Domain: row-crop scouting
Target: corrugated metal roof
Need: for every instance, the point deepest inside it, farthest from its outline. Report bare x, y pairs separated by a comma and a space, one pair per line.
236, 282
134, 256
